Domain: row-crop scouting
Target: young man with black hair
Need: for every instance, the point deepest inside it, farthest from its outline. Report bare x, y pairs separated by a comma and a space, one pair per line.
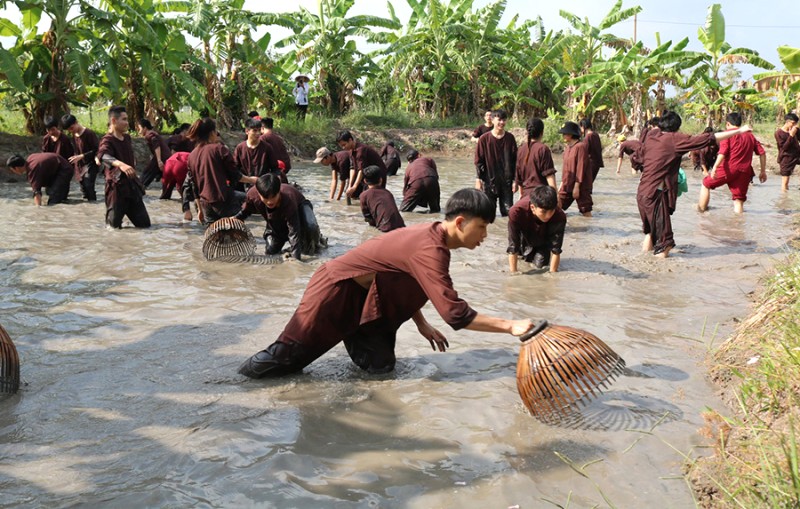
787, 138
278, 146
421, 184
657, 194
159, 151
391, 157
377, 203
340, 169
734, 166
362, 297
485, 127
534, 165
633, 148
289, 216
254, 156
85, 144
536, 230
47, 170
361, 156
123, 189
576, 173
595, 146
705, 158
55, 141
495, 163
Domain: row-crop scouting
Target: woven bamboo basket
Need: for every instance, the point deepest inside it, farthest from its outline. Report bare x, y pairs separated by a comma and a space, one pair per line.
9, 364
560, 369
228, 237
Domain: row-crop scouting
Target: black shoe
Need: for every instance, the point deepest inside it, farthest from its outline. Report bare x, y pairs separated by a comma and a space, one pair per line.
258, 365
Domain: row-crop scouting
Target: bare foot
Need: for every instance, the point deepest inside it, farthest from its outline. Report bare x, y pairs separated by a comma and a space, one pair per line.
187, 216
647, 244
698, 208
587, 214
664, 253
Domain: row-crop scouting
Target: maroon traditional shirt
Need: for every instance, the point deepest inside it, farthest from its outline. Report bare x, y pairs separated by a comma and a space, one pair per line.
420, 168
214, 172
121, 150
534, 165
154, 141
380, 209
496, 158
341, 164
416, 263
525, 229
592, 140
255, 161
363, 156
43, 169
577, 169
278, 149
788, 149
180, 143
481, 130
61, 146
284, 220
634, 149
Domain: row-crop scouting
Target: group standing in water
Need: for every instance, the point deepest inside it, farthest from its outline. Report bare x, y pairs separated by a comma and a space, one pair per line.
361, 298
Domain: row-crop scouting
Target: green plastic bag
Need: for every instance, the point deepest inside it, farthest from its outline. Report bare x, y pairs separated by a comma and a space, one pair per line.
683, 185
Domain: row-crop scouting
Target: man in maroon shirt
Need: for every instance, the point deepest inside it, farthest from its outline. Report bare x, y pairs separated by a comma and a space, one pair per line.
361, 156
576, 173
159, 151
85, 144
420, 184
123, 189
495, 163
340, 169
534, 161
289, 216
592, 140
47, 170
363, 296
254, 156
277, 144
377, 204
734, 166
633, 149
391, 157
788, 140
536, 230
178, 142
662, 149
485, 127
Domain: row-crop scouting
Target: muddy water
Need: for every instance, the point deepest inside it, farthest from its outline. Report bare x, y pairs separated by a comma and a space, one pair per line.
130, 343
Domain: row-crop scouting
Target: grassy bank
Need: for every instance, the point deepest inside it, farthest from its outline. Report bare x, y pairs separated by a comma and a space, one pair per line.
756, 462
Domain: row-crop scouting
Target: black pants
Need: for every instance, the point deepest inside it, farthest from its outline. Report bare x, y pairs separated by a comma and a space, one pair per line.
500, 190
58, 190
88, 181
302, 109
151, 172
216, 211
123, 198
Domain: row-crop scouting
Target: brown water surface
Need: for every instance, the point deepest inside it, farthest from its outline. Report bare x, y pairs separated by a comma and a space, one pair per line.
130, 343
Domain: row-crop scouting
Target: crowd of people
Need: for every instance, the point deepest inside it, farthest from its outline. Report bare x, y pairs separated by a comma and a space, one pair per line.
362, 297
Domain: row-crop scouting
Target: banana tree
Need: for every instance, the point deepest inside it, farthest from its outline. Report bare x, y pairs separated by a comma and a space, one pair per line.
785, 84
707, 87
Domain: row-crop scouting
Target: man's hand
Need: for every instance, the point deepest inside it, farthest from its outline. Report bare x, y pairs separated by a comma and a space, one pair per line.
763, 177
479, 184
576, 192
434, 337
520, 327
75, 159
745, 128
127, 170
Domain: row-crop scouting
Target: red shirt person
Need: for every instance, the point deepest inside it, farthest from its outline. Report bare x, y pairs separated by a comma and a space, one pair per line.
536, 230
421, 184
576, 174
377, 204
734, 166
535, 165
788, 141
362, 297
44, 170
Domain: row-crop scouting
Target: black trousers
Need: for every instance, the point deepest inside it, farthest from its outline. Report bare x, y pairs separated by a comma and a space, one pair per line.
88, 181
500, 191
123, 198
216, 211
58, 190
151, 172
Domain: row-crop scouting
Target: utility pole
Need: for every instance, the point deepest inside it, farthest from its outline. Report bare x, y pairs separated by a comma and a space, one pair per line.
634, 28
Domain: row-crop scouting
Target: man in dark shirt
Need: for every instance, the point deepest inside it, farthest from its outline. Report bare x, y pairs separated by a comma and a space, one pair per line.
420, 184
159, 151
485, 127
391, 157
340, 169
254, 156
277, 144
361, 156
788, 140
123, 190
47, 170
289, 216
495, 163
85, 143
362, 297
377, 204
632, 148
595, 146
536, 230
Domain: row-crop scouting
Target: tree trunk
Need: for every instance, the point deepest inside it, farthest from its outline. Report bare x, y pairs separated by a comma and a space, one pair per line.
637, 110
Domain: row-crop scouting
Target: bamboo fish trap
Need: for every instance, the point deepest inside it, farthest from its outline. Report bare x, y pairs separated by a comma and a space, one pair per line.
561, 368
228, 237
9, 364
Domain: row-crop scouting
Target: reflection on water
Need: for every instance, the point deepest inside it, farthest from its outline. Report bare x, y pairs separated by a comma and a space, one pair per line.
130, 342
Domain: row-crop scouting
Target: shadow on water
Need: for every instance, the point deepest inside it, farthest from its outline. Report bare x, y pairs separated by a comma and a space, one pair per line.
600, 267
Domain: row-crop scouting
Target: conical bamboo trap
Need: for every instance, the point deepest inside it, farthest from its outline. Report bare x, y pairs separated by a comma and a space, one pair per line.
9, 364
228, 237
561, 368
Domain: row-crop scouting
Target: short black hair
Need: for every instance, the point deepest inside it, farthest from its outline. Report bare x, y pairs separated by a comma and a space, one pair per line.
50, 122
535, 128
252, 114
145, 123
734, 118
670, 122
267, 122
470, 202
183, 127
372, 175
390, 143
544, 197
708, 129
15, 161
252, 123
653, 122
501, 114
343, 135
268, 185
412, 155
585, 123
116, 111
68, 121
792, 117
